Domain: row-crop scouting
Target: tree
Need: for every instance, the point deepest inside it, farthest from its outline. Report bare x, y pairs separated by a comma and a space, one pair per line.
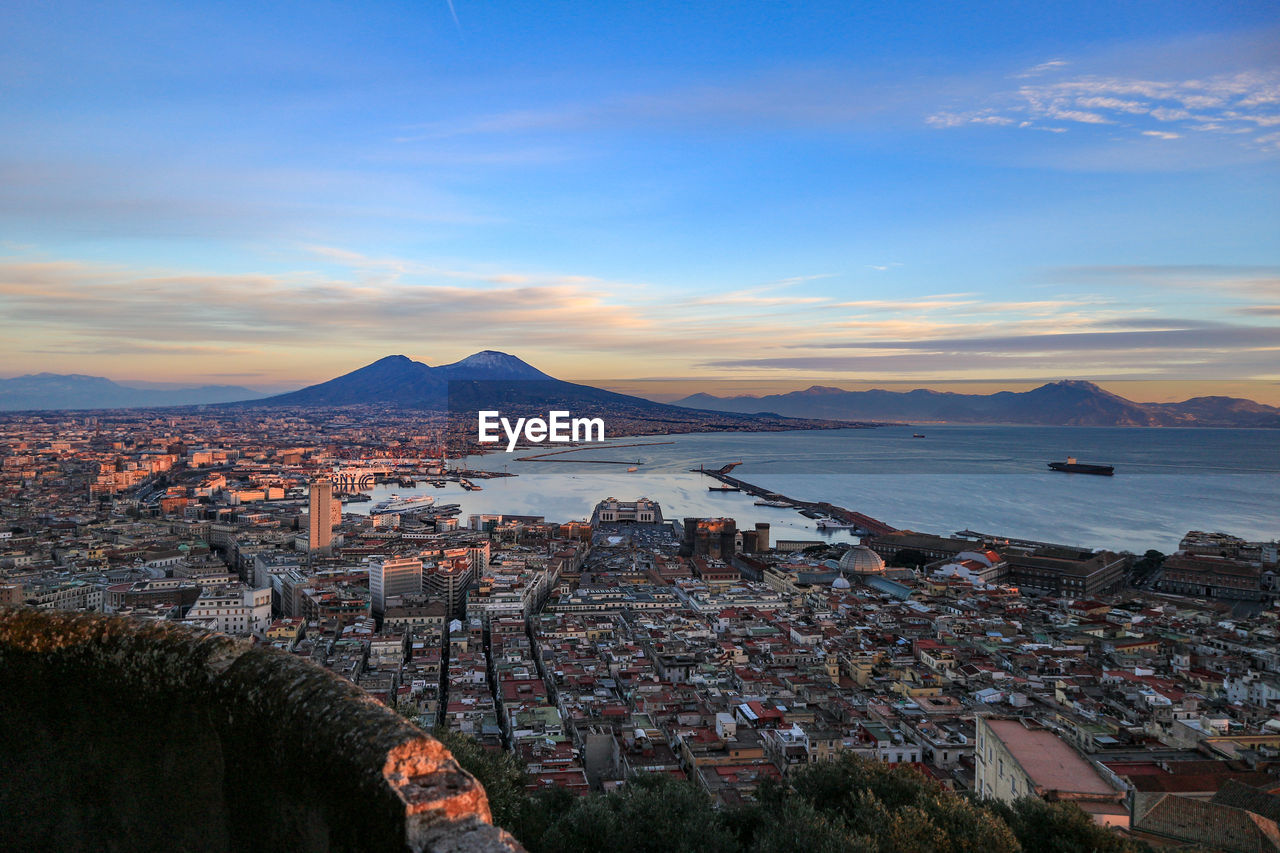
899, 809
1148, 562
1061, 827
852, 805
650, 814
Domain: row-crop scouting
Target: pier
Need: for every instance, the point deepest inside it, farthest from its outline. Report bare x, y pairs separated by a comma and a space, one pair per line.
543, 457
863, 523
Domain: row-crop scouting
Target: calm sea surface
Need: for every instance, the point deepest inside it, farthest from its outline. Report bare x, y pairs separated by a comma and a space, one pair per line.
992, 479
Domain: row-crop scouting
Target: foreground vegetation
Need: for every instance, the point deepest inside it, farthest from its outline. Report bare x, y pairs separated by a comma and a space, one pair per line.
849, 805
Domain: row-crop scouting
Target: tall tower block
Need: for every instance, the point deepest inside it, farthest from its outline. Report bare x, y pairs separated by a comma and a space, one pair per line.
320, 535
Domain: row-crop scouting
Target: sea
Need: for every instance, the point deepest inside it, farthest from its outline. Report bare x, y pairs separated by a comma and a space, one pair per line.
990, 479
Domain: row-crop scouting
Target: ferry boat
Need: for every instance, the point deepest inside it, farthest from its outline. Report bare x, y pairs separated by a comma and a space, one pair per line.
833, 524
1071, 466
395, 504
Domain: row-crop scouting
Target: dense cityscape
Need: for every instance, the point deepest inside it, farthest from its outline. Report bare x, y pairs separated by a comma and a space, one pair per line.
664, 427
1144, 688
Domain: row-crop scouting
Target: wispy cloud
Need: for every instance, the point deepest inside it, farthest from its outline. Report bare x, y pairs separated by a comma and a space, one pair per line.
1229, 104
1199, 336
307, 323
1237, 280
1043, 68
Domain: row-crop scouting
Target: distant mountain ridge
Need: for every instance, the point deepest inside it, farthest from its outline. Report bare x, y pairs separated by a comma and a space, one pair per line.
1064, 403
499, 381
491, 379
45, 391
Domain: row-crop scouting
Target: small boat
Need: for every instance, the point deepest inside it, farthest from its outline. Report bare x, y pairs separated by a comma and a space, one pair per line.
1071, 466
917, 435
632, 469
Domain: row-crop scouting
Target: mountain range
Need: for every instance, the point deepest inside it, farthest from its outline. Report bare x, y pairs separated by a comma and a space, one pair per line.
496, 380
76, 391
1065, 403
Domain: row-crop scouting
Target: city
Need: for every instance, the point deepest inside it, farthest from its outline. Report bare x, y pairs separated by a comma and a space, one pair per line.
599, 650
663, 427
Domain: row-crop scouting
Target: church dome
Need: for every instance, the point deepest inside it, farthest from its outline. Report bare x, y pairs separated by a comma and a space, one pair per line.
861, 560
841, 582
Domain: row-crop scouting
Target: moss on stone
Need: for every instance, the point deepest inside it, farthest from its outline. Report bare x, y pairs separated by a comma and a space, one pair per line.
136, 736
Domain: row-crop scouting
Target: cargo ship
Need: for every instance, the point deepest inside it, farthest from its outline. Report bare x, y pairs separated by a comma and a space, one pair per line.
396, 504
1071, 466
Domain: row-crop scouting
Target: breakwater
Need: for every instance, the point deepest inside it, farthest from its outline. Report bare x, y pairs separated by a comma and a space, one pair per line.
863, 523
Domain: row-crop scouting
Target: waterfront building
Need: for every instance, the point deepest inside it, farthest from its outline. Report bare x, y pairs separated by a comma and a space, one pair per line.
709, 537
1074, 573
1205, 576
640, 510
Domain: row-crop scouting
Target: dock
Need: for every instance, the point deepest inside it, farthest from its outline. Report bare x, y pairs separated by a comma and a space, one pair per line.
863, 524
545, 457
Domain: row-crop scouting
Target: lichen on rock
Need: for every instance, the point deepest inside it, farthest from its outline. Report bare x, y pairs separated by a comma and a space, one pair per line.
132, 735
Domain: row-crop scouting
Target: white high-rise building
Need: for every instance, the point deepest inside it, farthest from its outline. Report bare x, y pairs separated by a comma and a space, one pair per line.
234, 609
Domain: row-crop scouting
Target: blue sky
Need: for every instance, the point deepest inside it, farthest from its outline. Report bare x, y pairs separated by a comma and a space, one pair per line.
271, 194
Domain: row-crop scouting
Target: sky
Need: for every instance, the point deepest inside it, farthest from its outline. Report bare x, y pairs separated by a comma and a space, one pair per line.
760, 195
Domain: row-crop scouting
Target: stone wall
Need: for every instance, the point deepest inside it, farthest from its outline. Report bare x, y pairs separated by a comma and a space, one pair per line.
125, 735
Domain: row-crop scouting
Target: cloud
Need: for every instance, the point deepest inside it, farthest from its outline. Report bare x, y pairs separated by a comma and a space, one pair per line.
1042, 68
1231, 105
1056, 112
926, 303
1217, 336
803, 98
313, 322
993, 366
1240, 280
